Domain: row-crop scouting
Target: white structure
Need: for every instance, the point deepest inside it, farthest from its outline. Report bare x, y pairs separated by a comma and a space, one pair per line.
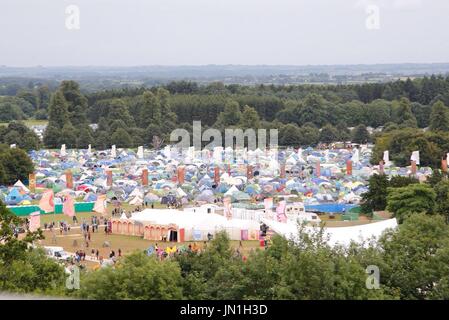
339, 235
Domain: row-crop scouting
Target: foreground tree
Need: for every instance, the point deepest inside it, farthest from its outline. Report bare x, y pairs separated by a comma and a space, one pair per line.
23, 269
137, 277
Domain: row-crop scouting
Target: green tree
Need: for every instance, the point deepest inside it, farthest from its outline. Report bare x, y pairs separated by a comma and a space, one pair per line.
84, 138
403, 113
16, 165
68, 136
416, 258
58, 115
375, 199
230, 116
289, 135
439, 117
52, 137
414, 198
151, 111
23, 269
121, 138
360, 134
137, 277
250, 118
328, 134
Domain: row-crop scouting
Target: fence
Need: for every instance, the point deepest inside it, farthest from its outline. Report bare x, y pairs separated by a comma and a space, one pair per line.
26, 210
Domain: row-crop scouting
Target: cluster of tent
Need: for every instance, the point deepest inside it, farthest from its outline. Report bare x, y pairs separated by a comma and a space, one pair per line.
183, 176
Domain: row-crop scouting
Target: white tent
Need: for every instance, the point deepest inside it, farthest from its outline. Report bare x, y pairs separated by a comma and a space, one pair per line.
19, 184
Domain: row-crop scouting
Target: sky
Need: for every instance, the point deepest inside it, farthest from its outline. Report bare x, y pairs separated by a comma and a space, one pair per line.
201, 32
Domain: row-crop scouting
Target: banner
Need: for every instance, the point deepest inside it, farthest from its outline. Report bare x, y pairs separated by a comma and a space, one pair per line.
444, 165
47, 201
349, 167
35, 221
280, 211
249, 172
68, 206
181, 174
69, 179
415, 157
227, 207
145, 177
109, 178
32, 182
282, 175
318, 169
100, 204
216, 175
413, 165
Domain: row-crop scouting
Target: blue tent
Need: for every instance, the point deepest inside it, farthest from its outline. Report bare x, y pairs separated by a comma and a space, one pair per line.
14, 197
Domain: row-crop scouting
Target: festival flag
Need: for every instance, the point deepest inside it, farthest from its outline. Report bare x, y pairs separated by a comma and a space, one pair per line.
413, 167
349, 167
140, 152
415, 157
100, 204
35, 221
282, 175
181, 174
249, 172
68, 206
32, 182
227, 207
280, 211
69, 179
109, 178
47, 201
268, 203
145, 177
386, 157
318, 169
216, 175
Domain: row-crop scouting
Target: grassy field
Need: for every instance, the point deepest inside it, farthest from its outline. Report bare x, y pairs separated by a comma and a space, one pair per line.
74, 240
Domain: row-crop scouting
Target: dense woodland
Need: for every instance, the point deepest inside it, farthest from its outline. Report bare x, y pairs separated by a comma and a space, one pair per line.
305, 115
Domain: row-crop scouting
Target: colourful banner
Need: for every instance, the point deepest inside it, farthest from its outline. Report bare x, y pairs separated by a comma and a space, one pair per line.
249, 172
35, 221
47, 201
32, 182
69, 179
145, 177
282, 175
349, 167
216, 175
181, 174
100, 205
227, 207
318, 169
68, 206
280, 211
109, 178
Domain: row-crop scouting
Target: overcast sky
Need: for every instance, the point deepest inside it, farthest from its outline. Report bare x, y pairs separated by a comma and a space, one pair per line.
199, 32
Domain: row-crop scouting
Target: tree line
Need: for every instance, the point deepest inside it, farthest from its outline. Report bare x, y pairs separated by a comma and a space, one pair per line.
305, 115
